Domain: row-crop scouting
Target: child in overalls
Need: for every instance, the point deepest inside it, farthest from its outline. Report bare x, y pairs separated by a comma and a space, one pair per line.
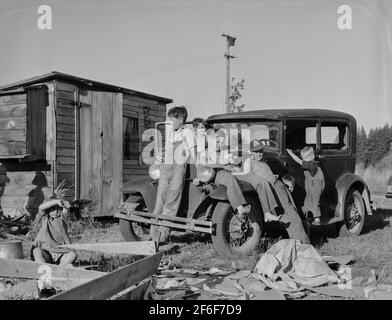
179, 148
314, 182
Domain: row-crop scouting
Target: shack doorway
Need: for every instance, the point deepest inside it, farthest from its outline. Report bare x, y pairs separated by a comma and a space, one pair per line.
101, 153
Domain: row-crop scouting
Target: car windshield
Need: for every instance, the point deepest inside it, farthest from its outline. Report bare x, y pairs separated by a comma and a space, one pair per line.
239, 134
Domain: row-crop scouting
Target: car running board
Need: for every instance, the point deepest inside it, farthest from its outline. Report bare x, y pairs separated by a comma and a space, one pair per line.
167, 221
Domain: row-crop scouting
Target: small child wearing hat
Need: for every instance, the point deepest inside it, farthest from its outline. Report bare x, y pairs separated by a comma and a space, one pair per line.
314, 182
53, 232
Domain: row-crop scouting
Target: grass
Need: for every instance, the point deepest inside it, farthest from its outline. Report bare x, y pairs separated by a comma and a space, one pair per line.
371, 250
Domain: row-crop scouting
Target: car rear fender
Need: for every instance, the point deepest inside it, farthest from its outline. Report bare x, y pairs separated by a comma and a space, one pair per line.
144, 186
343, 184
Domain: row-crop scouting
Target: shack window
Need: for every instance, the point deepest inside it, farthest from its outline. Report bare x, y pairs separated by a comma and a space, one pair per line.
301, 133
23, 124
131, 139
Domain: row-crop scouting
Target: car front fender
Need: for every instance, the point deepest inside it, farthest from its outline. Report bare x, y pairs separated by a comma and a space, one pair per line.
144, 186
343, 184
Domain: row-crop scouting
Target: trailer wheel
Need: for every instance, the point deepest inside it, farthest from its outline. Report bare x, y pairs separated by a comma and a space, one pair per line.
234, 236
354, 215
134, 231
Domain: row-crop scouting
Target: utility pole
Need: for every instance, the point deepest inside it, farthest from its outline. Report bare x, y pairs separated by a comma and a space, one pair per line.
230, 40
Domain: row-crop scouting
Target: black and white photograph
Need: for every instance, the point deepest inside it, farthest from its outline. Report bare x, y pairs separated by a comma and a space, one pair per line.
207, 151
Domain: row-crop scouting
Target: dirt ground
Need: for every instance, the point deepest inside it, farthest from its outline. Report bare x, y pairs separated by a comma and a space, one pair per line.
371, 250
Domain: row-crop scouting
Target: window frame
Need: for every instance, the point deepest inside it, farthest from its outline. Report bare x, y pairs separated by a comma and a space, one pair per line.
336, 152
132, 161
318, 132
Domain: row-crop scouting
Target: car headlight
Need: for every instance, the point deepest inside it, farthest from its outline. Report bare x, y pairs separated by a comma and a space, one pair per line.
205, 174
155, 171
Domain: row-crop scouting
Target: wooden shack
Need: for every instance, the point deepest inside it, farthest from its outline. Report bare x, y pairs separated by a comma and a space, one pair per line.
59, 127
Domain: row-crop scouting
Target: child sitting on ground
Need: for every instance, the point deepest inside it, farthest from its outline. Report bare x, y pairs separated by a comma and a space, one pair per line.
53, 232
314, 182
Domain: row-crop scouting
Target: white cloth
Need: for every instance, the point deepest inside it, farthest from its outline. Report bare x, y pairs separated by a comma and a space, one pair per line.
290, 266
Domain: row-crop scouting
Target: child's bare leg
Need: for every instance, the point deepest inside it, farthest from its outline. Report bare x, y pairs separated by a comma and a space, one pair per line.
68, 258
41, 256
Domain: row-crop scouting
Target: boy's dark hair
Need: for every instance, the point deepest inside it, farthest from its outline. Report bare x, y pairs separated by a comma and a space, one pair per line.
178, 112
197, 121
288, 178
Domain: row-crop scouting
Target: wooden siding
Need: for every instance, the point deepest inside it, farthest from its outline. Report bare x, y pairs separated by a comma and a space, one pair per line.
65, 134
37, 102
24, 186
13, 125
149, 112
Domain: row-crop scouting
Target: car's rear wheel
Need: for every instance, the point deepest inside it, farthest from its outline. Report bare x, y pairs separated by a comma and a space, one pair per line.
354, 214
235, 236
134, 231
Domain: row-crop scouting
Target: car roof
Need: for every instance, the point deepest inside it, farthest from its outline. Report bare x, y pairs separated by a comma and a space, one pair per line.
279, 114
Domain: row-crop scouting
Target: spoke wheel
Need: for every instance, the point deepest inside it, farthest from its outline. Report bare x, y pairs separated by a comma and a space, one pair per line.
235, 236
354, 214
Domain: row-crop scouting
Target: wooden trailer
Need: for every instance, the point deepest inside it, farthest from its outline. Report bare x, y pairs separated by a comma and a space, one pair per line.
59, 127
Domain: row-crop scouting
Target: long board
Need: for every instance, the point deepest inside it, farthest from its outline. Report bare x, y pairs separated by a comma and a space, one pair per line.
144, 248
62, 277
114, 282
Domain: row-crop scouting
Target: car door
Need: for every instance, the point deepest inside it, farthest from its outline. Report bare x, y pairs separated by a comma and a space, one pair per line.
297, 134
335, 155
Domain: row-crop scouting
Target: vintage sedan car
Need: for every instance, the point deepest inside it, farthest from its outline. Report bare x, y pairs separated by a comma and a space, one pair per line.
205, 208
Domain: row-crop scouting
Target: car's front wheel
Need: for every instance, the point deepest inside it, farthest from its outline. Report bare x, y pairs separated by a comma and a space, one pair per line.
354, 214
235, 235
134, 231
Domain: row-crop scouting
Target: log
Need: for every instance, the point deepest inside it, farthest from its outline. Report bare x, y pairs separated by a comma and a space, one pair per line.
109, 285
145, 248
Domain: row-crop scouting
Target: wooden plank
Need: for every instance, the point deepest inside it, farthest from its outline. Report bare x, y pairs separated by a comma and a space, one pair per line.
37, 101
65, 104
97, 109
24, 269
66, 152
134, 99
51, 125
65, 95
26, 177
66, 160
64, 86
13, 148
144, 248
134, 293
65, 168
13, 135
68, 144
117, 150
15, 110
12, 189
70, 136
66, 120
65, 127
114, 282
13, 123
67, 112
13, 99
86, 148
107, 153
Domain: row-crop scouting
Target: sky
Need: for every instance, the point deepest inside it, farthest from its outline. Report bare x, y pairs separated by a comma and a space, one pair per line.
291, 53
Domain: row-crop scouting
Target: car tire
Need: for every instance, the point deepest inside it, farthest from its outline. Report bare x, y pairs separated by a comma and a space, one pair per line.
128, 228
222, 216
353, 203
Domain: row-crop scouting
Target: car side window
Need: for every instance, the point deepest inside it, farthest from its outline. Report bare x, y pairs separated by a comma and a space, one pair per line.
301, 133
334, 136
